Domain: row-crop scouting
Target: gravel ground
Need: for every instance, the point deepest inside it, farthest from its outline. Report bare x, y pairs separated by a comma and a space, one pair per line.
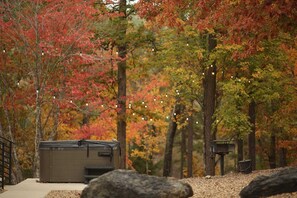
216, 187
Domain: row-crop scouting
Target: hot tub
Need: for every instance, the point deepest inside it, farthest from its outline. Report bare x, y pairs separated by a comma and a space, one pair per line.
77, 160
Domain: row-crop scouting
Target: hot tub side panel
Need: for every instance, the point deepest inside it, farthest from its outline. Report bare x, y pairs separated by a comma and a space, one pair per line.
58, 164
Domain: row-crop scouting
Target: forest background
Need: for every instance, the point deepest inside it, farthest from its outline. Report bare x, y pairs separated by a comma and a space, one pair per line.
165, 78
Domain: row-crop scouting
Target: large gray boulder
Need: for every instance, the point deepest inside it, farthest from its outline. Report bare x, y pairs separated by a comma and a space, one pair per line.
130, 184
284, 181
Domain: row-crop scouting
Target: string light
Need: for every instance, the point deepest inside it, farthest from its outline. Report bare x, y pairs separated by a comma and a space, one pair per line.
54, 97
42, 53
133, 113
187, 119
232, 77
166, 96
142, 118
102, 105
142, 103
37, 91
4, 50
161, 101
151, 119
187, 44
196, 122
153, 49
117, 53
211, 65
18, 84
155, 99
87, 104
80, 53
203, 74
71, 101
130, 105
174, 114
116, 106
145, 106
212, 73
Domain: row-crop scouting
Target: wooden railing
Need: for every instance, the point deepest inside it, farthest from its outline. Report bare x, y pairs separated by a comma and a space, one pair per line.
5, 161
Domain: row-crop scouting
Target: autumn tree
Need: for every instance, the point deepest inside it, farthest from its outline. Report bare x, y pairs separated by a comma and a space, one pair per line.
44, 35
230, 21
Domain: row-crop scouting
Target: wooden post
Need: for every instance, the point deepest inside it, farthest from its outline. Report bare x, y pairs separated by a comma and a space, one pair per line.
222, 164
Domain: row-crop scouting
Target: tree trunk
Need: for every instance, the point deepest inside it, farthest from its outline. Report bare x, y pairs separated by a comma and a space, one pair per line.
209, 85
56, 113
39, 93
252, 135
272, 152
38, 136
282, 157
190, 147
121, 96
182, 152
167, 166
239, 151
1, 129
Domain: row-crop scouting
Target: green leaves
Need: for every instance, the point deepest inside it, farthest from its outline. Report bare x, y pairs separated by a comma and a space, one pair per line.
230, 113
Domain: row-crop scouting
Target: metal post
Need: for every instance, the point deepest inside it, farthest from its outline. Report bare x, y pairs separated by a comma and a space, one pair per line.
2, 166
10, 163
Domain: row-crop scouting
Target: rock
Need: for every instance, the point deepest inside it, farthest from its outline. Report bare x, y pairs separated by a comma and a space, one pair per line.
284, 181
130, 184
